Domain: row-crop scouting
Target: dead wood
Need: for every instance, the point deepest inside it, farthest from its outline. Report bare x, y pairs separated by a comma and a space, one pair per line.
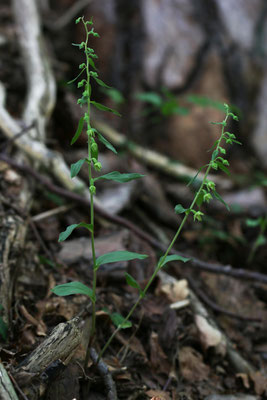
13, 230
59, 347
7, 391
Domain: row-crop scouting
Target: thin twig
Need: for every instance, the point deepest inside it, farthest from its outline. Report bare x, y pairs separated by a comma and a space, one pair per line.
66, 18
17, 136
52, 212
105, 374
194, 262
23, 395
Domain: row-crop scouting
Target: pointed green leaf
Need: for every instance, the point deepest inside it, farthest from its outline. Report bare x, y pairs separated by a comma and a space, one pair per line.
133, 283
116, 256
104, 108
214, 154
106, 143
150, 97
237, 142
91, 62
218, 197
64, 235
200, 198
118, 321
75, 168
260, 241
67, 289
118, 177
101, 83
174, 257
195, 177
223, 167
179, 209
73, 80
252, 223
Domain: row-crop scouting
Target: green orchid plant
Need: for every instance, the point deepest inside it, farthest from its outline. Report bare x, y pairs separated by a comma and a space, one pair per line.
205, 193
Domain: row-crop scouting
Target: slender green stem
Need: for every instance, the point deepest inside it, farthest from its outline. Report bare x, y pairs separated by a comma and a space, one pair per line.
159, 266
93, 322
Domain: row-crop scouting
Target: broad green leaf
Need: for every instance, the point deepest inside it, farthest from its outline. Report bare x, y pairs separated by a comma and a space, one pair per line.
118, 177
116, 256
179, 209
73, 80
133, 283
106, 143
64, 235
67, 289
150, 97
104, 108
115, 95
205, 102
75, 168
118, 320
252, 223
218, 197
174, 257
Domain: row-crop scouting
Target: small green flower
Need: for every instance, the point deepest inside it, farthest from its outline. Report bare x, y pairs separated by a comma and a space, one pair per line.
207, 197
97, 166
198, 216
210, 185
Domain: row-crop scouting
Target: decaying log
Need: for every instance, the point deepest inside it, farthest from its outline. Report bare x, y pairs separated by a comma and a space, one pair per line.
7, 391
12, 234
59, 345
54, 353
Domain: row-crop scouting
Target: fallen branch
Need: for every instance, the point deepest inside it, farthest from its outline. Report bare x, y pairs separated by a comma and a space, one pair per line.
60, 345
68, 16
105, 375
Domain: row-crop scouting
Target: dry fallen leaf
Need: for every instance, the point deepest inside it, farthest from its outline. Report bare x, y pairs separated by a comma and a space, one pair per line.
158, 395
260, 382
175, 291
191, 364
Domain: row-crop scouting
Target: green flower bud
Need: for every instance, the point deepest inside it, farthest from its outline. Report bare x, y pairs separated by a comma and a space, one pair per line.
94, 150
92, 189
207, 197
97, 166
